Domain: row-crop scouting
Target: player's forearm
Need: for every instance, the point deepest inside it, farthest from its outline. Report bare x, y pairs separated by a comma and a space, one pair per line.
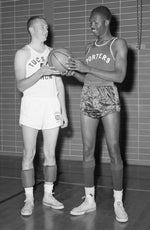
23, 84
115, 76
61, 96
63, 104
80, 76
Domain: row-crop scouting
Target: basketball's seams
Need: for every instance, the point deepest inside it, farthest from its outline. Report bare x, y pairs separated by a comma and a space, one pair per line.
54, 55
58, 58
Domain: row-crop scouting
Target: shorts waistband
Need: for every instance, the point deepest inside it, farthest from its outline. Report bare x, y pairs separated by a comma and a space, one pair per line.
39, 98
88, 83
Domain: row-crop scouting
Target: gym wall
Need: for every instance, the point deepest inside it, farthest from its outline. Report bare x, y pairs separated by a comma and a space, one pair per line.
69, 27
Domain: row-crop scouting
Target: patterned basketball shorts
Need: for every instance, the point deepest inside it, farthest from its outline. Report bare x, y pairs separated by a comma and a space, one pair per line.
99, 101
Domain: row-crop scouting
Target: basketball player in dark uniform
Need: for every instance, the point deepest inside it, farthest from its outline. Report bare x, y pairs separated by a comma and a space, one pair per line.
105, 64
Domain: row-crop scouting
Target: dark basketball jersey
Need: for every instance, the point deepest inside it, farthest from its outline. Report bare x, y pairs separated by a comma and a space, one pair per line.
100, 57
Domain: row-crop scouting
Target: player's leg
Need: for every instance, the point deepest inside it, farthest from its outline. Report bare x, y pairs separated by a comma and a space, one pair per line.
50, 168
28, 180
89, 130
111, 125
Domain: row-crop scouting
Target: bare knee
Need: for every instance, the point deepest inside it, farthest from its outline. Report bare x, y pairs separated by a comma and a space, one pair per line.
49, 157
88, 152
28, 157
115, 156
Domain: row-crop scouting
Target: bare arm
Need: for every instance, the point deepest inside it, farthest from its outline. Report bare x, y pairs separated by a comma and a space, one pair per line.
20, 61
61, 95
117, 75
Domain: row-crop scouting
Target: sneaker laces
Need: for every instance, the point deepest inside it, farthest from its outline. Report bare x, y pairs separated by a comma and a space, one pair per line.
53, 199
28, 201
50, 193
85, 200
120, 206
28, 205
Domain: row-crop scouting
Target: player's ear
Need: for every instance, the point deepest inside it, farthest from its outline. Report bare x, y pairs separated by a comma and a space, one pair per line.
30, 29
107, 22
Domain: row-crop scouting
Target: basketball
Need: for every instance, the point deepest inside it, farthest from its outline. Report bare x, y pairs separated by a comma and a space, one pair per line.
58, 58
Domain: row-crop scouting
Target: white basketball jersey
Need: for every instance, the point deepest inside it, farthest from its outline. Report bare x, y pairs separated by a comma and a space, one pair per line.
46, 85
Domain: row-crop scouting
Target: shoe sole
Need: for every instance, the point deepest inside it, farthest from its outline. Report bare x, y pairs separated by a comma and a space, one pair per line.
122, 220
82, 213
54, 207
26, 214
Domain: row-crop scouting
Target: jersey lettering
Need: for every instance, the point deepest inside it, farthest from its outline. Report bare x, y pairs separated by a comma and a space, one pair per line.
46, 77
97, 56
36, 61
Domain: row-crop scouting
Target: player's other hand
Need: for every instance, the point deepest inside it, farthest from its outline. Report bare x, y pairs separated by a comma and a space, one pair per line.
68, 73
64, 121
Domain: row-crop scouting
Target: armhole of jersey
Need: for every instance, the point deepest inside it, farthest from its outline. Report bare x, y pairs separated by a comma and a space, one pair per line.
29, 47
111, 48
30, 50
49, 48
88, 48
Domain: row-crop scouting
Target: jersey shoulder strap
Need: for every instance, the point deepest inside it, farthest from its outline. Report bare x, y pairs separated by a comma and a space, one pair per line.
112, 41
88, 47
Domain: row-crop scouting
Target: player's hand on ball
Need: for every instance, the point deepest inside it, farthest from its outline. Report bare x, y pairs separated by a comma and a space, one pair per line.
47, 70
77, 65
54, 71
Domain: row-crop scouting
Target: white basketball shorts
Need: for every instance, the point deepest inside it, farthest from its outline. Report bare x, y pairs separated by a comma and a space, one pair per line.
40, 113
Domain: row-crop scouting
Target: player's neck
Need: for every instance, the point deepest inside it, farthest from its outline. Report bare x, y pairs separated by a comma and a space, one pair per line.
37, 46
104, 38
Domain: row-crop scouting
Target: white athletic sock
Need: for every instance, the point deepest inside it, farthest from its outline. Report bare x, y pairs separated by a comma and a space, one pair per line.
48, 187
90, 190
29, 193
118, 195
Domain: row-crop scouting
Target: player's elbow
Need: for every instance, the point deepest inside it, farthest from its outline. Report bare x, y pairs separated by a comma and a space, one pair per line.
121, 79
19, 87
121, 76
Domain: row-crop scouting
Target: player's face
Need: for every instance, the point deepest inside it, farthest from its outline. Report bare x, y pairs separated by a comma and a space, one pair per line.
98, 25
40, 29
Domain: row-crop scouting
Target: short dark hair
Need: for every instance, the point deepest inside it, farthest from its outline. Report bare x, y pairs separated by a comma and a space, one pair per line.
31, 20
102, 10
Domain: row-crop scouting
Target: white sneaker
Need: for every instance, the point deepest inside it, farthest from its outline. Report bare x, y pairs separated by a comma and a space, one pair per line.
27, 208
88, 205
120, 212
50, 201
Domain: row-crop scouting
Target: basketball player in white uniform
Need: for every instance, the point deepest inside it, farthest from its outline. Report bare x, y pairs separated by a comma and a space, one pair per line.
42, 108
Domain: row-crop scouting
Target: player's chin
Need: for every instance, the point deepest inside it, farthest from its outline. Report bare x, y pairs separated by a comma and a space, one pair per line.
44, 38
95, 33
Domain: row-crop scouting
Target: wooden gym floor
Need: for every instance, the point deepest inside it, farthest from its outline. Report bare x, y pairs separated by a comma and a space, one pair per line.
137, 204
